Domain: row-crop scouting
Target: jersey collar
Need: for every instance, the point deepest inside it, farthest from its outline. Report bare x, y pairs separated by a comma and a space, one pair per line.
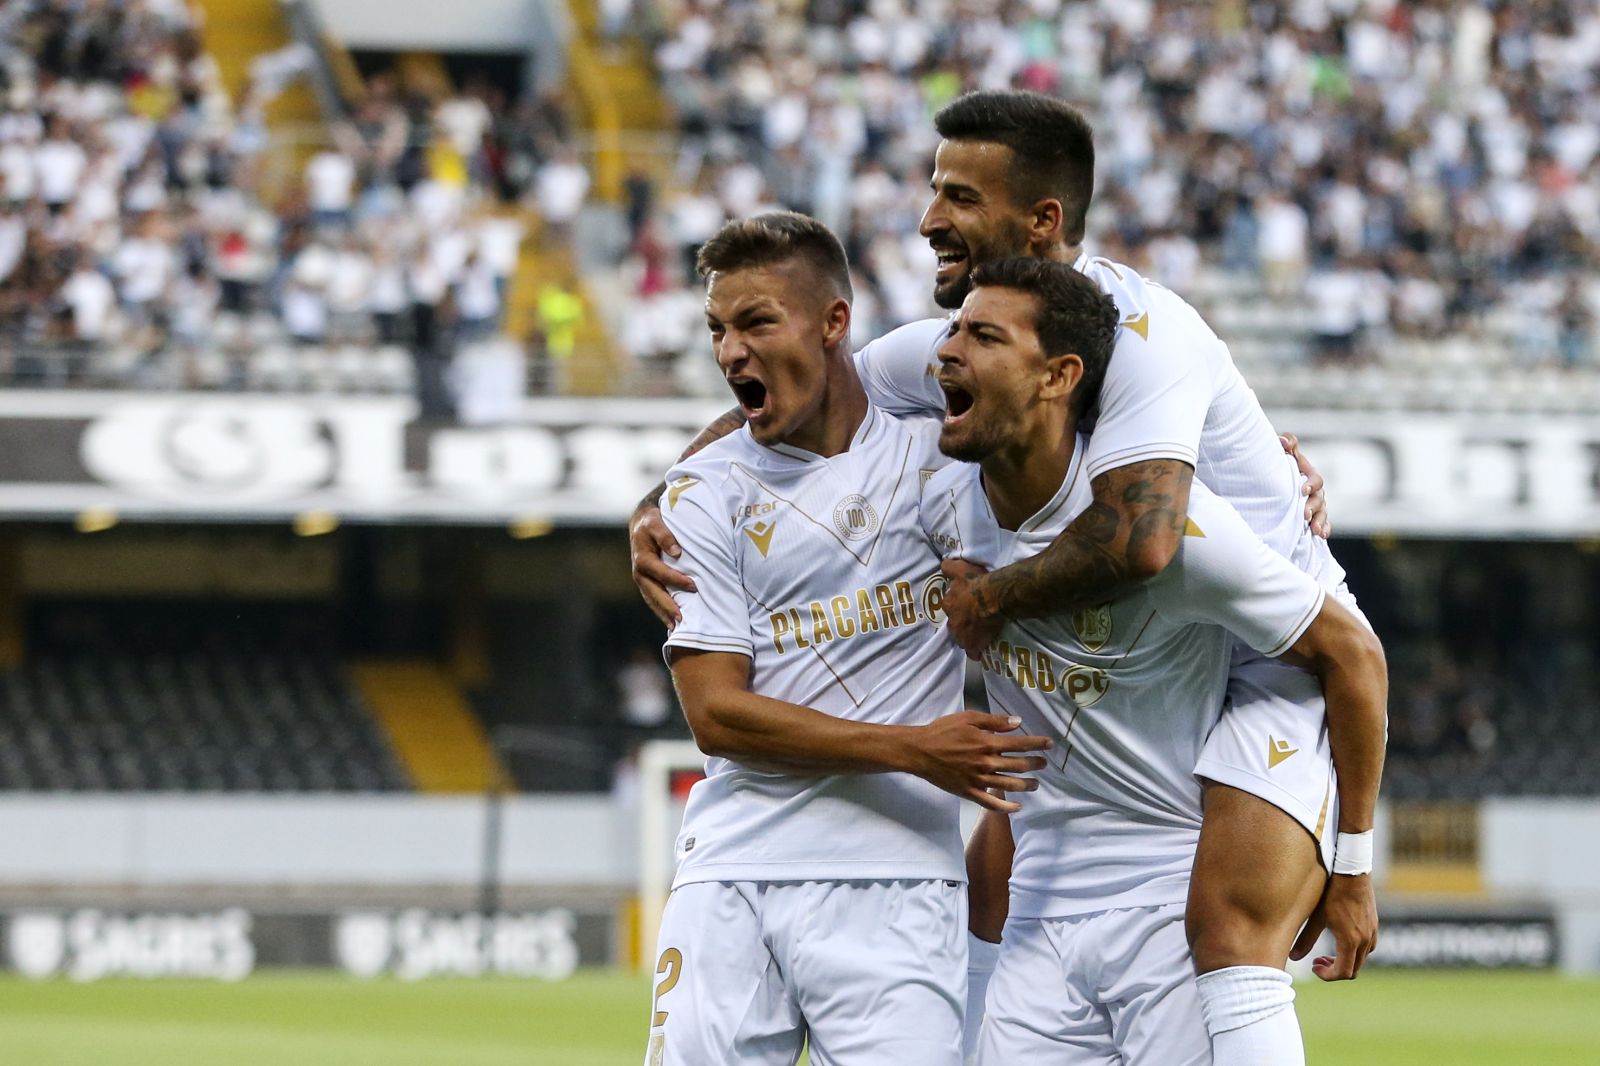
1063, 495
868, 423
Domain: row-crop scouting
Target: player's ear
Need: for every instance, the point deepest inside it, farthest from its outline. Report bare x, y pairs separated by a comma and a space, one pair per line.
1061, 376
836, 322
1045, 227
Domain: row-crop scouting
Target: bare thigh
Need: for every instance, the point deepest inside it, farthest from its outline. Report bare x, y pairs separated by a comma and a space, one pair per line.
1257, 877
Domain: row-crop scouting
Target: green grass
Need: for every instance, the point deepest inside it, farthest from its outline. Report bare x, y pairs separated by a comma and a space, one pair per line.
597, 1019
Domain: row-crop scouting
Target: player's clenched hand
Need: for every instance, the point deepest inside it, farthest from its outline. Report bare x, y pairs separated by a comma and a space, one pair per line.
1316, 497
1350, 910
975, 623
648, 540
968, 753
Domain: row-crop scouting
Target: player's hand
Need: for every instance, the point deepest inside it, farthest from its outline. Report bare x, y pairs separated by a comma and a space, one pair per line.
968, 753
1316, 497
974, 622
1350, 909
649, 540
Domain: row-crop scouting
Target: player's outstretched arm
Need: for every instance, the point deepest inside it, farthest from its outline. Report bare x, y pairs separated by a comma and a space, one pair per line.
965, 753
649, 539
1349, 659
1127, 536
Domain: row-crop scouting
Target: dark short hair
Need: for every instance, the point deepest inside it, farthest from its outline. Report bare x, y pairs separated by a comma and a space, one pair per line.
1052, 142
1073, 315
773, 238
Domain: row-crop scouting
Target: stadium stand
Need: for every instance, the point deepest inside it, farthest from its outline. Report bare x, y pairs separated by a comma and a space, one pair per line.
156, 233
186, 698
1340, 186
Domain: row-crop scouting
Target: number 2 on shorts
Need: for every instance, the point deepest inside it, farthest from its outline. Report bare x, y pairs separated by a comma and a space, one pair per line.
671, 964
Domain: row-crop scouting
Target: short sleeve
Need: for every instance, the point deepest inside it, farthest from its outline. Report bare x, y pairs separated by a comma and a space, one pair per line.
898, 369
1156, 392
957, 518
1225, 575
716, 616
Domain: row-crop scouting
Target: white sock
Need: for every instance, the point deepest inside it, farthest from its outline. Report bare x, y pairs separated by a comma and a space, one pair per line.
1249, 1012
981, 959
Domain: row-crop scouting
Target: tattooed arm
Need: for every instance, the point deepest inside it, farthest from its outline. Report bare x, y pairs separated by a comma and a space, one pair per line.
1127, 536
649, 538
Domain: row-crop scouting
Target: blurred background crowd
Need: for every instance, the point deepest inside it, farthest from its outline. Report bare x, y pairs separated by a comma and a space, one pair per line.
146, 240
1375, 177
1338, 184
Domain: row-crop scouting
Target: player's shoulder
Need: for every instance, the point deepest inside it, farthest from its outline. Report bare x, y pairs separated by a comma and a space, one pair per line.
1151, 314
920, 339
952, 477
704, 476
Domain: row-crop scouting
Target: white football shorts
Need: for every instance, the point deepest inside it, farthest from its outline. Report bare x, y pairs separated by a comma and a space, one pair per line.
1272, 741
874, 972
1113, 988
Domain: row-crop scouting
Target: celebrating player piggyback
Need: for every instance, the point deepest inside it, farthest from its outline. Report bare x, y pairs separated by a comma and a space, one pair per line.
820, 889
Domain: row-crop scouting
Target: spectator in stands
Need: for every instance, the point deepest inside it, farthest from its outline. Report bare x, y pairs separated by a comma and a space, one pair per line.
562, 186
1576, 321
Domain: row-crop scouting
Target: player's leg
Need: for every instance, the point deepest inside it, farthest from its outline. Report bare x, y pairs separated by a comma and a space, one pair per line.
719, 996
1039, 1008
1261, 865
879, 968
1148, 985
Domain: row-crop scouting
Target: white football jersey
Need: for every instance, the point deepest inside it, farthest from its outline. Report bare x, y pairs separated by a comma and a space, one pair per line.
1128, 690
820, 571
1171, 391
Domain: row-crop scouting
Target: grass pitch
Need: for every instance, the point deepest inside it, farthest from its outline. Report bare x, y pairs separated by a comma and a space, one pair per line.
598, 1018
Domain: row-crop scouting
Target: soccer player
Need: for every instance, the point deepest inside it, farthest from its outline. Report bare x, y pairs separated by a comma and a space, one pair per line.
1013, 175
1094, 965
820, 886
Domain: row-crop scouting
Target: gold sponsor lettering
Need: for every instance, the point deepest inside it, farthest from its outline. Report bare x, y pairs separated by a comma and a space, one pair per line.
780, 626
864, 611
794, 624
908, 602
842, 624
886, 605
820, 632
1025, 669
1047, 672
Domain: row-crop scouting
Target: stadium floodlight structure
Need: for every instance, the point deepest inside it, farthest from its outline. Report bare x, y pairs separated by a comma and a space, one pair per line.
660, 815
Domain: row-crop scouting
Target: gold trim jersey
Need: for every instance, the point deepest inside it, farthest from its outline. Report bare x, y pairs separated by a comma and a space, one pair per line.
820, 571
1129, 691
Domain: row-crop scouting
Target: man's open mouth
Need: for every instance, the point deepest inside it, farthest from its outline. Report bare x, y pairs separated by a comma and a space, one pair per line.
957, 401
950, 259
751, 394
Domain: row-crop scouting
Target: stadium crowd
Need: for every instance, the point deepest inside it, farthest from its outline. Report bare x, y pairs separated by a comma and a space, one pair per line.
145, 240
1396, 169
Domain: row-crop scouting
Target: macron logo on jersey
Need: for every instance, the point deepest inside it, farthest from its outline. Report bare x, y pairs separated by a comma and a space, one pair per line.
678, 488
760, 535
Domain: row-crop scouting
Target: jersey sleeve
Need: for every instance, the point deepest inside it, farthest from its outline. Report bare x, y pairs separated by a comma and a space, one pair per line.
716, 616
898, 368
1156, 392
1226, 575
957, 518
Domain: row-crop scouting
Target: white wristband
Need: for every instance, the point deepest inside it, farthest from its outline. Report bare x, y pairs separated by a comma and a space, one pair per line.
1352, 854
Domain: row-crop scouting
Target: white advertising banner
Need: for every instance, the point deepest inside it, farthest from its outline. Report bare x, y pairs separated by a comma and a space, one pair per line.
258, 457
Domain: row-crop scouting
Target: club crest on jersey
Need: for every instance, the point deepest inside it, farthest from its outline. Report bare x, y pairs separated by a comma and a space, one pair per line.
933, 591
1093, 626
854, 517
